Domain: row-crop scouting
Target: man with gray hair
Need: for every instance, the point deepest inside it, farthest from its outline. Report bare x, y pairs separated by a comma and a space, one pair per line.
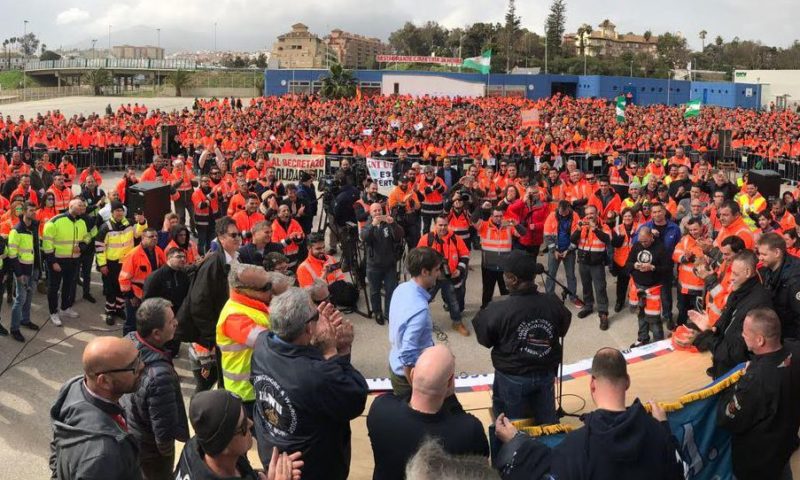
155, 412
432, 462
306, 389
243, 318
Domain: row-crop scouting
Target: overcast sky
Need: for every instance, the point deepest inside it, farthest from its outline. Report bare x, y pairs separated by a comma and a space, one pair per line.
254, 24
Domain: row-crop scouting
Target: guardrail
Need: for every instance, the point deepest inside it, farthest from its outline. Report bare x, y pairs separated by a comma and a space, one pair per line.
110, 64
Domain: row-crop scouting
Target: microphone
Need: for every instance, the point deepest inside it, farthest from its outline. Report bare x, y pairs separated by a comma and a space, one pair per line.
539, 269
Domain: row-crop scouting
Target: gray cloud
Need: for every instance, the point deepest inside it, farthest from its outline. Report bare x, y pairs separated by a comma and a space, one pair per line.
254, 24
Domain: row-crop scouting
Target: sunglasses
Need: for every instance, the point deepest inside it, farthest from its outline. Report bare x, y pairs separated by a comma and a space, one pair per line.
135, 366
234, 234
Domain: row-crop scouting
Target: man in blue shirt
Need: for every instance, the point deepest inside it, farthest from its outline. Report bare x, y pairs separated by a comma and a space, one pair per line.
410, 322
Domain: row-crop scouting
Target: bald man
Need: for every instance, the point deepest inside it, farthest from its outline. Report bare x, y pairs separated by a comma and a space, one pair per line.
64, 237
384, 239
90, 434
397, 426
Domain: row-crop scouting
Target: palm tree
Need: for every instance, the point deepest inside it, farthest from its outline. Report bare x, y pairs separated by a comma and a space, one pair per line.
703, 34
98, 79
339, 83
179, 79
583, 35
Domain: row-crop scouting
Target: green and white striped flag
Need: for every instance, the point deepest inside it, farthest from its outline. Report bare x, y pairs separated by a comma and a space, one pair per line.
692, 108
621, 109
483, 63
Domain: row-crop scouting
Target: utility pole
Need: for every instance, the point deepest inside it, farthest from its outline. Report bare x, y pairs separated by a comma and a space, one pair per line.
158, 37
94, 53
215, 37
460, 46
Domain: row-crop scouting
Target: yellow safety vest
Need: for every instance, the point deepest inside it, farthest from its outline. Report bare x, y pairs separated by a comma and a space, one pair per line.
63, 235
20, 246
235, 357
749, 205
115, 244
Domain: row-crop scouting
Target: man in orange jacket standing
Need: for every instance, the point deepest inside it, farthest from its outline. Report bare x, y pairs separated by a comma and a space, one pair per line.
136, 266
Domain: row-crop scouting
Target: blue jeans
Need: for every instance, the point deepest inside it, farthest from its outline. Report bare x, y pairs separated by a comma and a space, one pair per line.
450, 296
386, 277
21, 311
130, 317
528, 396
569, 269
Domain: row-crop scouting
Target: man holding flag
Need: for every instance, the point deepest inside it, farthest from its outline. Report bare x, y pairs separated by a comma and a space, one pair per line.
692, 108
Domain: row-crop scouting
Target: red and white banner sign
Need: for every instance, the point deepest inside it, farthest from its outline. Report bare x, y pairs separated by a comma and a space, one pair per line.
288, 166
454, 61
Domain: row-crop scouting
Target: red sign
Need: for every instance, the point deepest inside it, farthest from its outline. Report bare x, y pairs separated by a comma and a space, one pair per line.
454, 61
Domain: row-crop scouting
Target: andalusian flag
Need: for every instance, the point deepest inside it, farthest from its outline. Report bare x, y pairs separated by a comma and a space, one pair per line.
483, 63
692, 108
621, 109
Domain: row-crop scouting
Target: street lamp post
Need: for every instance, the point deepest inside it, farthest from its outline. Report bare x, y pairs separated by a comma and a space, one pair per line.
109, 39
94, 53
215, 37
460, 46
24, 56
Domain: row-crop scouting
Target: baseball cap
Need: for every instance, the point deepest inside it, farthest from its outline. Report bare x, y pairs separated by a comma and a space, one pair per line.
521, 265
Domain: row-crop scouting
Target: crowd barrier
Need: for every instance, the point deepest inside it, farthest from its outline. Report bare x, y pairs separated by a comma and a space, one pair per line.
114, 158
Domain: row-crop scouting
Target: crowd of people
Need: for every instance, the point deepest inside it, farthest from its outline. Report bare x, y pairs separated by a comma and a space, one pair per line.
429, 127
239, 274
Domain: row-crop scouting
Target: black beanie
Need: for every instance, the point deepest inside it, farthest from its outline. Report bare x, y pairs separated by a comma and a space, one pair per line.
117, 205
215, 415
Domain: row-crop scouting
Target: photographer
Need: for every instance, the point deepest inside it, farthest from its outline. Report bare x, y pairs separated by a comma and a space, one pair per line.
497, 239
318, 265
404, 204
344, 216
591, 241
288, 233
453, 279
206, 208
346, 175
433, 190
364, 203
307, 194
383, 239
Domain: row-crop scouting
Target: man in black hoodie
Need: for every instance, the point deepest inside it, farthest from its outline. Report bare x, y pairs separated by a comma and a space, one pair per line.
90, 433
306, 395
615, 442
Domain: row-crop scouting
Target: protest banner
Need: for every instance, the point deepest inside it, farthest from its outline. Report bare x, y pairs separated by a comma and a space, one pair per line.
530, 117
288, 166
381, 172
453, 61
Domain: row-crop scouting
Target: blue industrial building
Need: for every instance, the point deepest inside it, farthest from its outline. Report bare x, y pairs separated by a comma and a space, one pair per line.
643, 91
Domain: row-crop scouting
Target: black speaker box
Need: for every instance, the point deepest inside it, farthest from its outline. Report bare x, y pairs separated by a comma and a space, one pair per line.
724, 149
152, 199
767, 181
169, 144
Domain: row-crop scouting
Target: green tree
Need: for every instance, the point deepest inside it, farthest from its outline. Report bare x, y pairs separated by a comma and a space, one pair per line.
29, 43
510, 32
98, 79
672, 50
339, 83
49, 55
179, 79
584, 31
555, 27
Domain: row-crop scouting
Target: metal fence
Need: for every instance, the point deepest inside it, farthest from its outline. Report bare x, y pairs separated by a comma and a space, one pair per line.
111, 63
42, 93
